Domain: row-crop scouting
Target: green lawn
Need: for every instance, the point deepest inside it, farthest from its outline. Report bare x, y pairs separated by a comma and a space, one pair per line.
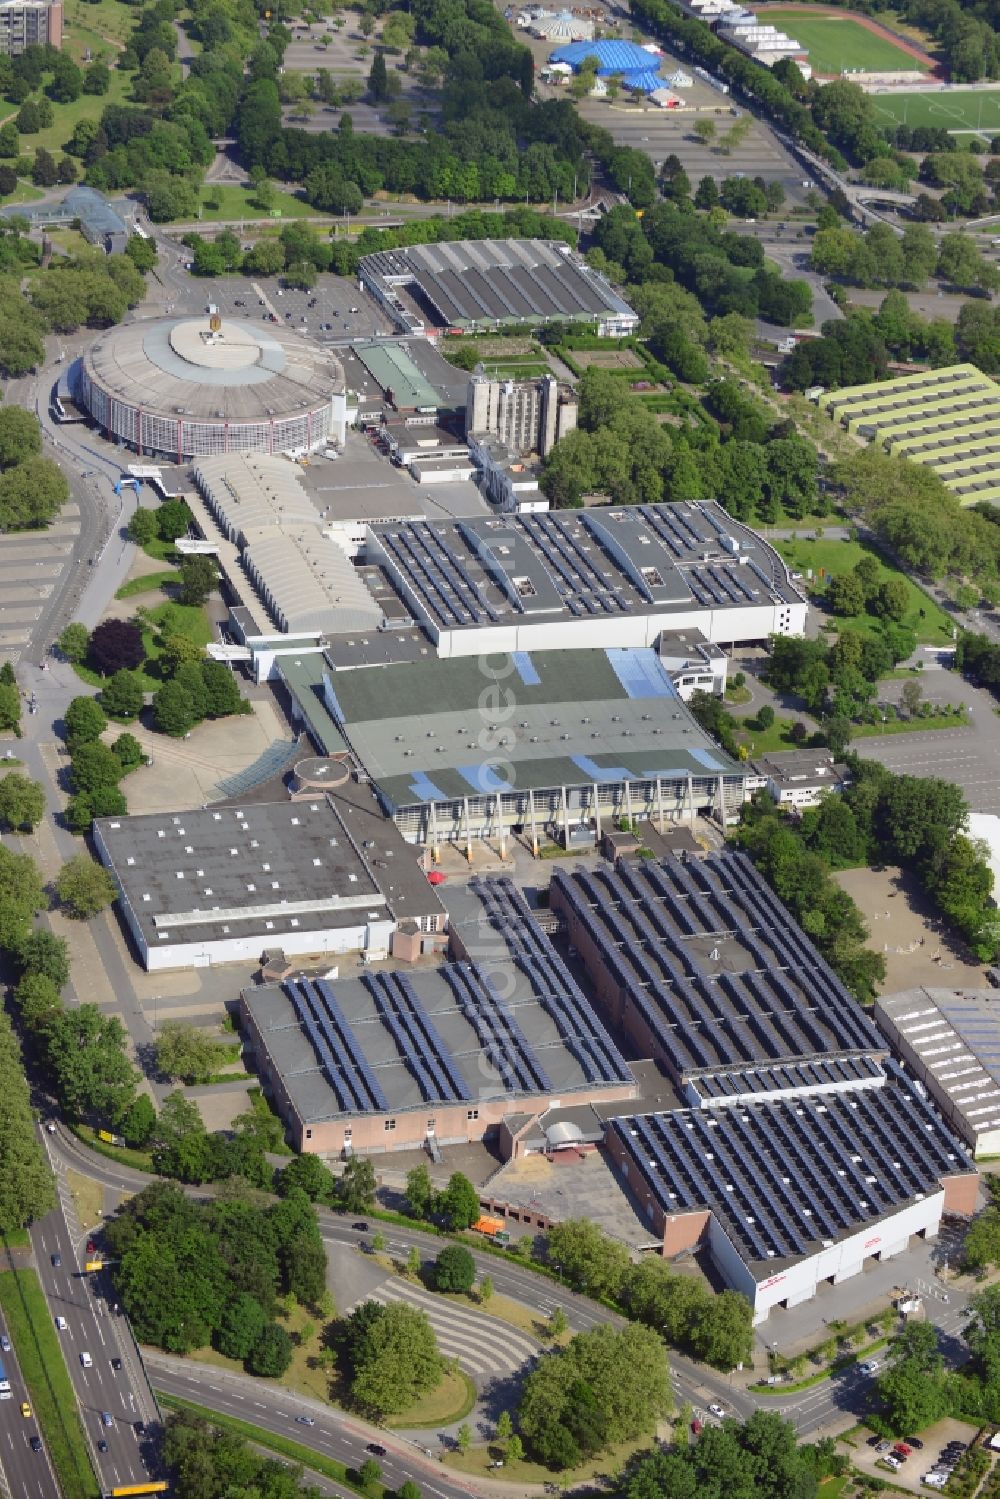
106, 21
838, 43
958, 109
150, 583
910, 725
51, 1393
237, 203
25, 192
767, 741
67, 116
830, 557
184, 620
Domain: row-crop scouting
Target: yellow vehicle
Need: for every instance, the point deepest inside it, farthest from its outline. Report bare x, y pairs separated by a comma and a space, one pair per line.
25, 1409
158, 1486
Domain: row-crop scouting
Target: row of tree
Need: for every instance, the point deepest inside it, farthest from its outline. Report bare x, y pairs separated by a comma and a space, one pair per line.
881, 258
207, 1462
759, 1459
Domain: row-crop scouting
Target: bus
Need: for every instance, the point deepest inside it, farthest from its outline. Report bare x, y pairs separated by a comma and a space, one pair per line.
5, 1393
152, 1486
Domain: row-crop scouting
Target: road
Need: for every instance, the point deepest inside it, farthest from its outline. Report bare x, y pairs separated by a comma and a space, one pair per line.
22, 1472
95, 1328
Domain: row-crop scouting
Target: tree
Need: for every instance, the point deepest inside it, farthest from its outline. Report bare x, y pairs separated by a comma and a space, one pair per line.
172, 519
242, 1326
463, 1437
485, 1290
20, 436
103, 801
458, 1204
43, 954
378, 79
419, 1192
138, 1122
608, 1385
94, 767
84, 722
221, 689
356, 1187
123, 695
558, 1323
504, 1428
704, 129
369, 1473
271, 1354
84, 887
36, 996
723, 1333
393, 1356
910, 697
199, 577
97, 78
32, 493
128, 752
74, 643
27, 1189
454, 1269
10, 707
86, 1052
116, 645
174, 711
308, 1174
186, 1053
143, 526
588, 1259
22, 802
515, 1450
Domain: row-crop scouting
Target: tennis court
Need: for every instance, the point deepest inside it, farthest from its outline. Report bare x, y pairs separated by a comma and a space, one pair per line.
952, 109
839, 44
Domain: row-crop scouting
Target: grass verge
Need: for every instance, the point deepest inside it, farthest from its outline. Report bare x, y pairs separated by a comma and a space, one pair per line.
234, 202
49, 1387
139, 1160
294, 1451
910, 725
450, 1400
88, 1198
832, 557
151, 583
845, 1361
477, 1461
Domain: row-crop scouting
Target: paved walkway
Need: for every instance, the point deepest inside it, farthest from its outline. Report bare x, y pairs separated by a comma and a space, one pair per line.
485, 1346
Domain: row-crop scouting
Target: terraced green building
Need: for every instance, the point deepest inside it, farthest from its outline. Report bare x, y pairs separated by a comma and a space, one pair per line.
948, 419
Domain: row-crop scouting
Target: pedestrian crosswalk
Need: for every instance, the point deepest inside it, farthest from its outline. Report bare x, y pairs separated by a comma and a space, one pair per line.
484, 1346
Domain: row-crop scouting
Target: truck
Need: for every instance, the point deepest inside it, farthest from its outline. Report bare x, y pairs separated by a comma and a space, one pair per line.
492, 1229
5, 1391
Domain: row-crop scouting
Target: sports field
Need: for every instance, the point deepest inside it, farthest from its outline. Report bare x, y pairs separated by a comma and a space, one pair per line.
838, 43
954, 109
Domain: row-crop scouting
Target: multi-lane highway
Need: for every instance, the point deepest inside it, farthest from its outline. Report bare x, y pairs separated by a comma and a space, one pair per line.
103, 1363
23, 1471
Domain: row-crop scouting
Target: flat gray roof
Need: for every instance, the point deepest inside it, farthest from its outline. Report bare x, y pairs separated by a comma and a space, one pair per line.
581, 716
955, 1034
260, 868
604, 563
510, 1024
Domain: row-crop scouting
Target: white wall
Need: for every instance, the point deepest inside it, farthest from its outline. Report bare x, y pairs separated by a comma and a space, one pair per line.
248, 948
846, 1257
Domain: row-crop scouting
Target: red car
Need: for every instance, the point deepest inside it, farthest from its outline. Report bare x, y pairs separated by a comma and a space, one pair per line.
902, 1450
91, 1246
696, 1426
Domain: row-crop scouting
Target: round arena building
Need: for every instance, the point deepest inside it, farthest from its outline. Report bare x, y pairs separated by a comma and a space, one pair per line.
180, 388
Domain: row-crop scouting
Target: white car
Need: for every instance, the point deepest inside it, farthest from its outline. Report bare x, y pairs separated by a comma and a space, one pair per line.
935, 1480
716, 1410
61, 1324
870, 1366
893, 1462
86, 1360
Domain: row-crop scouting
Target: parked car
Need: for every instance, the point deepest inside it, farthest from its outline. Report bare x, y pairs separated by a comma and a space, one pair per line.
716, 1410
915, 1443
893, 1462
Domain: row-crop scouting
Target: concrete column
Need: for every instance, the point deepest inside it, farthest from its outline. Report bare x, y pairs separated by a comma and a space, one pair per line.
534, 824
628, 802
659, 803
501, 830
468, 829
690, 800
597, 812
565, 815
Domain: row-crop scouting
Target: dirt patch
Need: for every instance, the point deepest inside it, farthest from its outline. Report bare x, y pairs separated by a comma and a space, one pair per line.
905, 929
607, 359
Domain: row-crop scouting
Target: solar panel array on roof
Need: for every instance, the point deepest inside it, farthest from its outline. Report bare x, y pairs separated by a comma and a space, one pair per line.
553, 984
714, 964
782, 1177
420, 1046
340, 1057
818, 1075
504, 1043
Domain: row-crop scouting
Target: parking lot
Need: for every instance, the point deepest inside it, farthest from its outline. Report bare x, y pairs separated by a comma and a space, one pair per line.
920, 1461
340, 53
330, 302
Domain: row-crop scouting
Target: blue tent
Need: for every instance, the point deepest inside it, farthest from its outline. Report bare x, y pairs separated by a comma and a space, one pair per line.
646, 82
612, 57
